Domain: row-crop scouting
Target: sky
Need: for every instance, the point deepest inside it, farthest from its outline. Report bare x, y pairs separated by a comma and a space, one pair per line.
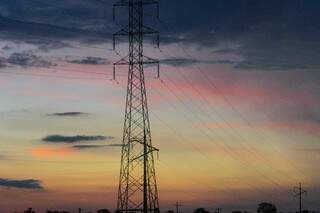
235, 112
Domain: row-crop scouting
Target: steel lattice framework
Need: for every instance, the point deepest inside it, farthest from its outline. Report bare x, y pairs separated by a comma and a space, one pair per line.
137, 183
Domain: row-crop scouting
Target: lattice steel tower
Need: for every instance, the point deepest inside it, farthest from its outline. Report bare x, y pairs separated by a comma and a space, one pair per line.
137, 184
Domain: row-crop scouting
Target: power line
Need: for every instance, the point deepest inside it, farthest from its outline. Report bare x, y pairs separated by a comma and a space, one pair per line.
225, 98
182, 137
225, 146
242, 162
200, 94
224, 120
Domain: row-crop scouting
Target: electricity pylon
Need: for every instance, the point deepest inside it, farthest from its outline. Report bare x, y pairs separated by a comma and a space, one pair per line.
137, 184
298, 191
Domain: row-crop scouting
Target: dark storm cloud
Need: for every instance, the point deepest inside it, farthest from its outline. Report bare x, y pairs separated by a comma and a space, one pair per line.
21, 184
270, 35
55, 19
224, 20
68, 114
90, 61
275, 51
74, 139
224, 51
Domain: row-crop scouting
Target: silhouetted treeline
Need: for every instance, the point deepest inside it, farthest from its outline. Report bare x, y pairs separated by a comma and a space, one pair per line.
201, 210
262, 208
103, 211
29, 211
57, 212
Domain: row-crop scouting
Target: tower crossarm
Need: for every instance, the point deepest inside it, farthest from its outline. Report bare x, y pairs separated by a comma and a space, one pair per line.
146, 60
145, 31
148, 152
127, 3
123, 3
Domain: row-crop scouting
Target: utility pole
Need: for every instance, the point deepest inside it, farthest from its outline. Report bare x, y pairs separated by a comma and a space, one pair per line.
218, 210
298, 192
177, 205
137, 190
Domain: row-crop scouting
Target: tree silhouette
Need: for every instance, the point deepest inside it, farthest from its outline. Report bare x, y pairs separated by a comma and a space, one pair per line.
29, 211
103, 211
266, 208
201, 210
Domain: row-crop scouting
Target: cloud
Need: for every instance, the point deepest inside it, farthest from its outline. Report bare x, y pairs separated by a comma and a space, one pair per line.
21, 184
74, 139
278, 51
47, 45
224, 51
14, 111
2, 65
80, 14
185, 62
90, 61
116, 144
26, 59
271, 35
68, 114
89, 146
7, 47
21, 28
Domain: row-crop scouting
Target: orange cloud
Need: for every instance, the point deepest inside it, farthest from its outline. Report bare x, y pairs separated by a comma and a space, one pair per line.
52, 152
